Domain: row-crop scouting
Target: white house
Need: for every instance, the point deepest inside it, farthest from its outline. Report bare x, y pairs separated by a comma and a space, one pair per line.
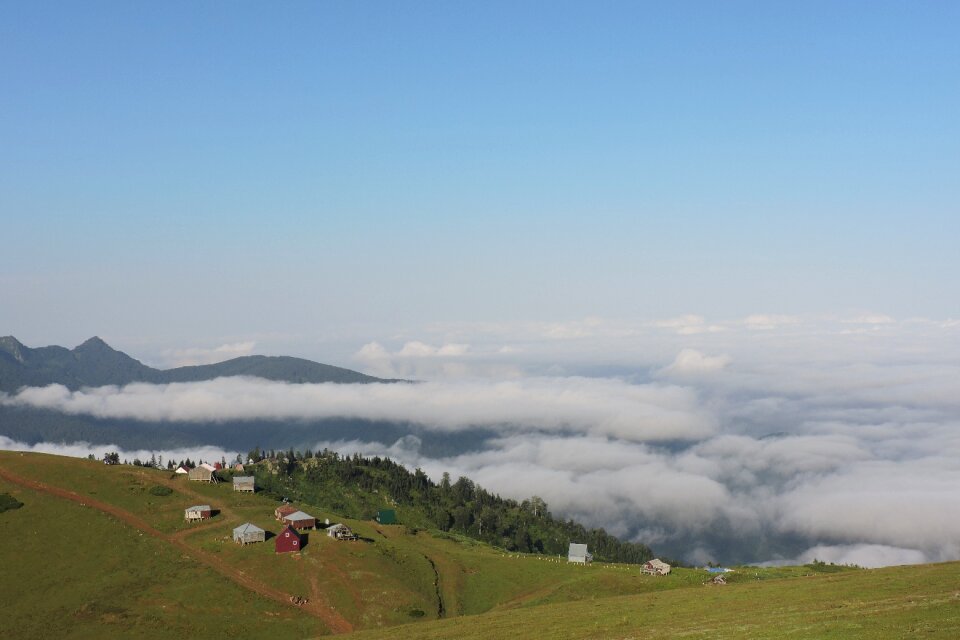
578, 553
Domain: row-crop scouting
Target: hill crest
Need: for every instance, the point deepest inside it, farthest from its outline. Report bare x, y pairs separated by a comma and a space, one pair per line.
95, 363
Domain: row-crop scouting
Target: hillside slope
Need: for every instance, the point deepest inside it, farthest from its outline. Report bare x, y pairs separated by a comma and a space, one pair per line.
147, 572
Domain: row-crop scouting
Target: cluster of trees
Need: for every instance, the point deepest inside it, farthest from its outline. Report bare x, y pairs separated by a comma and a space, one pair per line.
357, 486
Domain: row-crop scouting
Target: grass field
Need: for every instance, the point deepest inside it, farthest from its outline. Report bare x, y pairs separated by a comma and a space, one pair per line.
84, 572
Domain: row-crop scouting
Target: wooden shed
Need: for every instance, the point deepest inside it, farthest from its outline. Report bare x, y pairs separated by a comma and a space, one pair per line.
288, 540
655, 567
300, 520
248, 533
578, 553
197, 512
283, 511
203, 473
387, 516
243, 483
341, 532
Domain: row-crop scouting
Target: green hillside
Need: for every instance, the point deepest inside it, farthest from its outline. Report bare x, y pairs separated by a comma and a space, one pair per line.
97, 549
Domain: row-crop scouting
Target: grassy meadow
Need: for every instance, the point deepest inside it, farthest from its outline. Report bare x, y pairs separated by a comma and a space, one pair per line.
85, 573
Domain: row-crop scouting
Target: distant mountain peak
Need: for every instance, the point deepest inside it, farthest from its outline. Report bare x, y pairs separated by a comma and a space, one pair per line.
12, 346
95, 363
95, 341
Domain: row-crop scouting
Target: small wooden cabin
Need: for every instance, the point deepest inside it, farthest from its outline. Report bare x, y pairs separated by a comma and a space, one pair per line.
203, 473
288, 540
341, 532
249, 533
283, 511
197, 512
243, 483
655, 567
300, 520
578, 553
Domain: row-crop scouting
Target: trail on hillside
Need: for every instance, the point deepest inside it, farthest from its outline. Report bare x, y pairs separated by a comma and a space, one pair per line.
334, 621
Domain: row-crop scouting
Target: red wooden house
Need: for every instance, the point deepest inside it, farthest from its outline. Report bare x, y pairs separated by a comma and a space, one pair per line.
288, 540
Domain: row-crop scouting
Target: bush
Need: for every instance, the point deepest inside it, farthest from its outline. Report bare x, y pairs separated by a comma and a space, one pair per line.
8, 502
158, 490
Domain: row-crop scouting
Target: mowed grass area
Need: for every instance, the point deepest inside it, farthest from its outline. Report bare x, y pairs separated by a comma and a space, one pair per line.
71, 572
899, 602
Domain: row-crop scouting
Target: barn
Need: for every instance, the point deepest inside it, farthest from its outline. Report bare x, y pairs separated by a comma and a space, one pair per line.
300, 520
387, 516
341, 532
197, 512
283, 511
243, 483
578, 553
288, 540
203, 473
656, 567
248, 533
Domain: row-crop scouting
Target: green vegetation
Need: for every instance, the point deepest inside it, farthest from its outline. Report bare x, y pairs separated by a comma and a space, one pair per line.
93, 573
158, 490
8, 502
361, 486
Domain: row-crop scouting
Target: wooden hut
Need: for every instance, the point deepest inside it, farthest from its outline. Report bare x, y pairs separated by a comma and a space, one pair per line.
288, 540
578, 553
300, 520
243, 483
203, 473
341, 532
248, 533
283, 511
655, 567
197, 512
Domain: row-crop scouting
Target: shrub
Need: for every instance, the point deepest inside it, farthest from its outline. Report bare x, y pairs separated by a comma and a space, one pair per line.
158, 490
8, 502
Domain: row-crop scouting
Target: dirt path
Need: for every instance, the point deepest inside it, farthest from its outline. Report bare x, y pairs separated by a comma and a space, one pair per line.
334, 621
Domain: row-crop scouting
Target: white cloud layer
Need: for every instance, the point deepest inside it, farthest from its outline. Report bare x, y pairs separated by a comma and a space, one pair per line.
597, 406
795, 432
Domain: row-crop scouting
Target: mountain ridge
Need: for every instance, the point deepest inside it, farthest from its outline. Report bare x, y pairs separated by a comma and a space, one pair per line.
94, 363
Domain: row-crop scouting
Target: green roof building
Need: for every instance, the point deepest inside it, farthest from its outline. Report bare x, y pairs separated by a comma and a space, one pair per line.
387, 516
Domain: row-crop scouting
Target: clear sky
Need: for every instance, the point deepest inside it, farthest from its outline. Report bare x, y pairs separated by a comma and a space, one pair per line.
188, 173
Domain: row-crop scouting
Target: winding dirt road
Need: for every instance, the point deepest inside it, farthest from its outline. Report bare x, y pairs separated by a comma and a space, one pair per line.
330, 617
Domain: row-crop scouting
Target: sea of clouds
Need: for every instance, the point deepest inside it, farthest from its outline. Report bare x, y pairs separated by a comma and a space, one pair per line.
772, 438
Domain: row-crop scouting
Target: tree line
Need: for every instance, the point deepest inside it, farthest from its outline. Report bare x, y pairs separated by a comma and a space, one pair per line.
357, 486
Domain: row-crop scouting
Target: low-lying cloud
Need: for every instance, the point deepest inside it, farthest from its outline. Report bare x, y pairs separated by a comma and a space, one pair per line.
588, 405
770, 438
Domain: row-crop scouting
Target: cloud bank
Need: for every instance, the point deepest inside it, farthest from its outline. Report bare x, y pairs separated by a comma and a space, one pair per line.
596, 406
766, 438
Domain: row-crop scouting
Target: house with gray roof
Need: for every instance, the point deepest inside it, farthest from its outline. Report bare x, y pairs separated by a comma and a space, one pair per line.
248, 533
243, 483
197, 512
578, 553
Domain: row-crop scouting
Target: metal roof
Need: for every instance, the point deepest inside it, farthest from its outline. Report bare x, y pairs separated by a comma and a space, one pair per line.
248, 527
237, 479
577, 550
299, 515
199, 507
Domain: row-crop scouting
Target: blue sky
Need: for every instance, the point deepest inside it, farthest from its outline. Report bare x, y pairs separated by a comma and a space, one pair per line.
178, 173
